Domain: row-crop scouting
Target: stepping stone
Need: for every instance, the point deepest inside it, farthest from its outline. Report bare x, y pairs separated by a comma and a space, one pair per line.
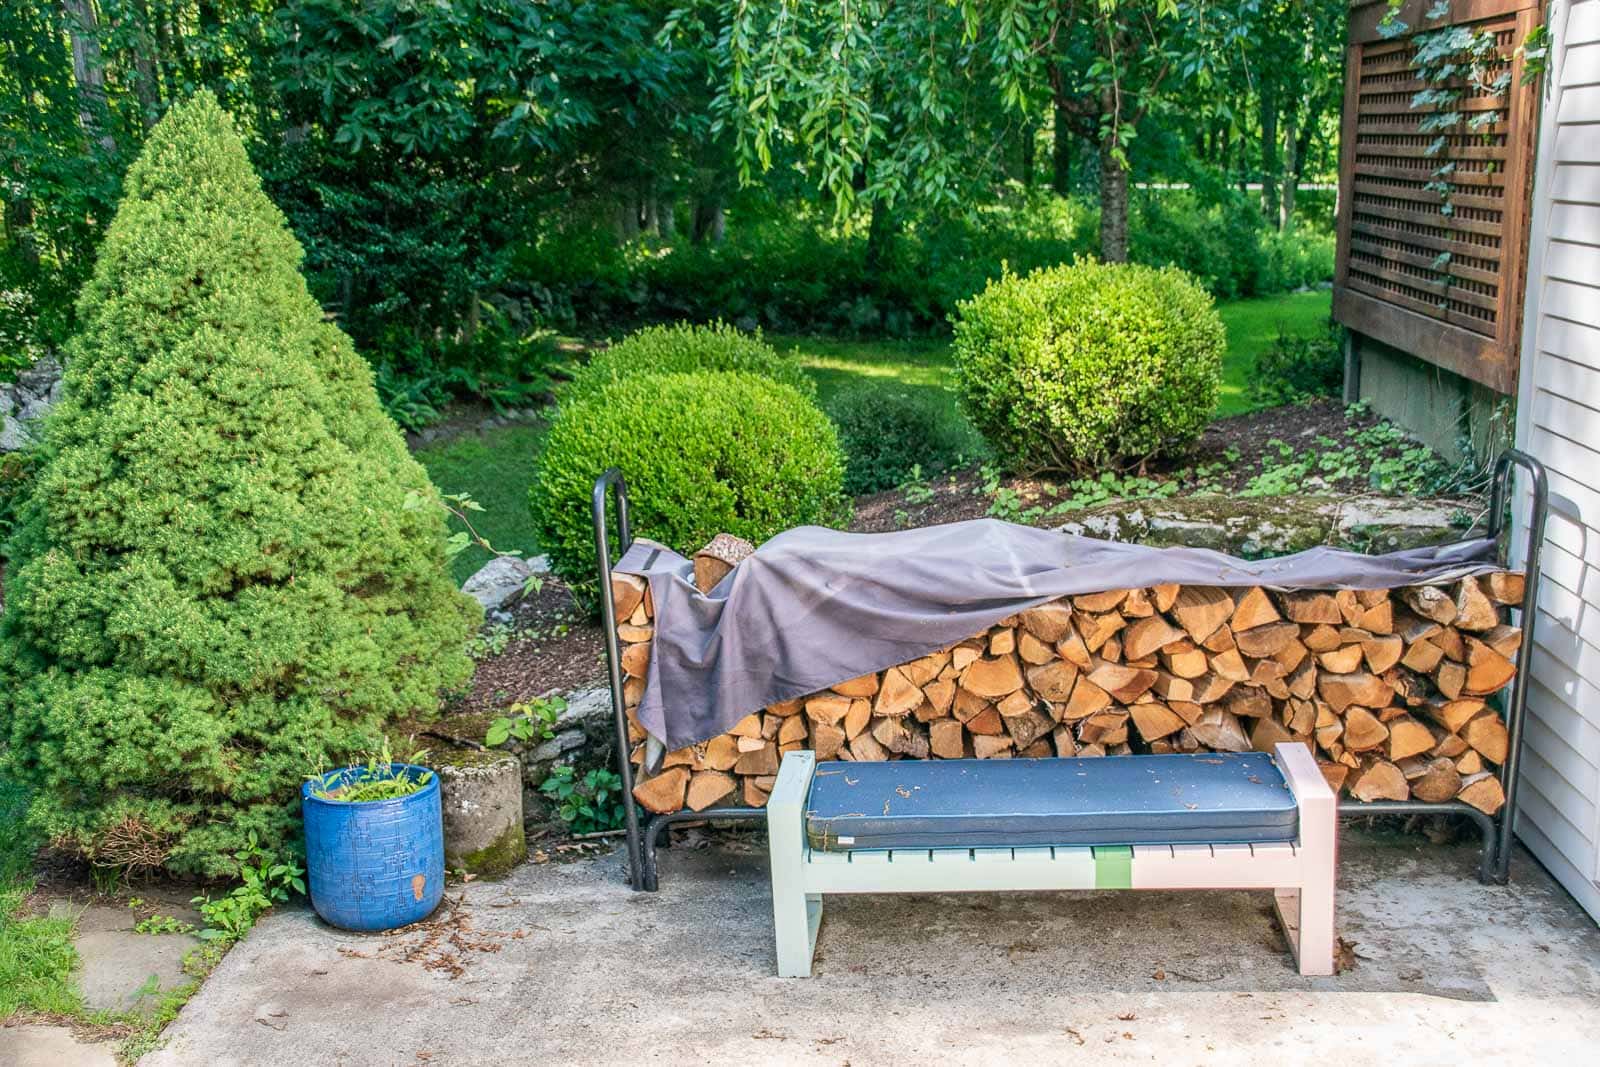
123, 970
40, 1045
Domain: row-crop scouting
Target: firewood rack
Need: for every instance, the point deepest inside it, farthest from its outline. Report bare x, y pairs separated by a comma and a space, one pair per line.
643, 836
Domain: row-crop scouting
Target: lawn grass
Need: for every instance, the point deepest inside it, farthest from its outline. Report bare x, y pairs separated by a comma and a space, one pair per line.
495, 468
36, 954
1252, 326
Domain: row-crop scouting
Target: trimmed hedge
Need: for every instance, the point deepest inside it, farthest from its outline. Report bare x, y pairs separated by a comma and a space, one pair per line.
703, 453
684, 348
216, 585
1089, 365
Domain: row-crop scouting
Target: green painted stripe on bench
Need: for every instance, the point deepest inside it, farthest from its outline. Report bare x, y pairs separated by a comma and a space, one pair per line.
1113, 867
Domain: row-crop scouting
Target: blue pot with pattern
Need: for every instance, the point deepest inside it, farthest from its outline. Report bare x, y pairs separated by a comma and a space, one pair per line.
373, 864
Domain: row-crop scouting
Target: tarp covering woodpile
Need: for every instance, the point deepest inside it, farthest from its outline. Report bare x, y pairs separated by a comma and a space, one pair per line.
813, 607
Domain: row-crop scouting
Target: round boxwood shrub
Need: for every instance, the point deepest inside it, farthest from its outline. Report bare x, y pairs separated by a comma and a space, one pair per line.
703, 453
228, 572
1088, 365
888, 434
683, 348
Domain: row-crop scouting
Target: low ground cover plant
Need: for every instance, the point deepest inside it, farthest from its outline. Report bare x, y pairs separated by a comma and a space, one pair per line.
887, 433
704, 453
1088, 366
215, 581
1297, 368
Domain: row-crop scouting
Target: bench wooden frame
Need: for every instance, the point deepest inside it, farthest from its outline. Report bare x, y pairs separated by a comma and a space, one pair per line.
1300, 874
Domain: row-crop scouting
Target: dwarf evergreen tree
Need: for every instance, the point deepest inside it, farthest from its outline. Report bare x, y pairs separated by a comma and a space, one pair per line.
217, 585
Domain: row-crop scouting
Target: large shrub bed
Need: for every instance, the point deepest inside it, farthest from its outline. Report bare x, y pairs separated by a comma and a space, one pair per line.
795, 274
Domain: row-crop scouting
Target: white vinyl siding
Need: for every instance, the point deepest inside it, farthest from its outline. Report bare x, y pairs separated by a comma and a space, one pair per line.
1558, 422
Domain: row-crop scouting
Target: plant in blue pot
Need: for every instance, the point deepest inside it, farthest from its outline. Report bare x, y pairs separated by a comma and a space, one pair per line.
374, 843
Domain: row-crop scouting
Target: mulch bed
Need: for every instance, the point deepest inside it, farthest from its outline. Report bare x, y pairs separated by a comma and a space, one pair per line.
959, 495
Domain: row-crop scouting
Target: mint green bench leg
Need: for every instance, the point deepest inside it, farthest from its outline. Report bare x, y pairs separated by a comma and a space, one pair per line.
796, 914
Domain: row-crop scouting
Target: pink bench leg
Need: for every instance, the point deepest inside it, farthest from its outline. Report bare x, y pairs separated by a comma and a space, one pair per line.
1306, 910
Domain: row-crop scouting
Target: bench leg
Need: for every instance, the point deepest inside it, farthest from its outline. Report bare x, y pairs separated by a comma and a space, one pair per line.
796, 917
1306, 910
1307, 919
796, 914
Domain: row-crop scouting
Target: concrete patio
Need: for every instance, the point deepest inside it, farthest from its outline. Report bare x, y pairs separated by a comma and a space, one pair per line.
561, 963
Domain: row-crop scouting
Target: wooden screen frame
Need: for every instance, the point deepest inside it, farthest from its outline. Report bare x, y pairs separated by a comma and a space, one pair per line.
1488, 356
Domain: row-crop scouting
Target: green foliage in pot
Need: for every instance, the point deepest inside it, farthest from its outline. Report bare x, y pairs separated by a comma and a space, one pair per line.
703, 453
1089, 365
214, 581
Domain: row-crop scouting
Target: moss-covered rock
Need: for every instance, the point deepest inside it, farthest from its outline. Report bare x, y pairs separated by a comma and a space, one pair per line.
1256, 527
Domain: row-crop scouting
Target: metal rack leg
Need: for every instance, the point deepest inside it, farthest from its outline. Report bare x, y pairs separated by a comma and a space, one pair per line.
1517, 702
608, 613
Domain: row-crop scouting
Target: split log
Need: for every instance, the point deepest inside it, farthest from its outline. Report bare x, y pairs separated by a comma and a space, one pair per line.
718, 558
663, 793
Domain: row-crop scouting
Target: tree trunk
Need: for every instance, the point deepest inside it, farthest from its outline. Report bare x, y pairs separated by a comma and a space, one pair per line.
1290, 170
146, 81
880, 236
1061, 151
1113, 204
627, 218
667, 218
1271, 172
89, 72
709, 222
649, 219
1027, 161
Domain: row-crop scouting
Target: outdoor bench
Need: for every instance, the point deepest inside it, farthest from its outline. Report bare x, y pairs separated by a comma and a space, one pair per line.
1205, 821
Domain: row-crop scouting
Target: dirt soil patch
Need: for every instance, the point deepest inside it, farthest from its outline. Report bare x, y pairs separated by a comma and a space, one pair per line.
1234, 447
552, 644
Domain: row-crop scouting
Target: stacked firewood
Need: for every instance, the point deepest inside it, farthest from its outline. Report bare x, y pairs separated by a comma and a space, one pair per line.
1388, 687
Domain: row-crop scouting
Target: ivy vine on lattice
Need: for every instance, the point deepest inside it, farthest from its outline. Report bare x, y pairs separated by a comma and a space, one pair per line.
1453, 63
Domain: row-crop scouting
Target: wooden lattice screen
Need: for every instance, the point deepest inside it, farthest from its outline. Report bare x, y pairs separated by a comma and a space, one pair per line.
1463, 315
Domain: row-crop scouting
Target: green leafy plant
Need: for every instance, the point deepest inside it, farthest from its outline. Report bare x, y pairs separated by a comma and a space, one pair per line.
1088, 366
162, 924
238, 592
892, 435
704, 453
378, 777
590, 803
265, 880
412, 400
533, 720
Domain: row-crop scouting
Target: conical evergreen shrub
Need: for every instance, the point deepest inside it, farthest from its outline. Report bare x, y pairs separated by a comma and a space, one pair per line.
217, 585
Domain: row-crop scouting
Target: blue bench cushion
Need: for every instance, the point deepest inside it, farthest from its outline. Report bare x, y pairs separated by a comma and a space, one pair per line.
1205, 798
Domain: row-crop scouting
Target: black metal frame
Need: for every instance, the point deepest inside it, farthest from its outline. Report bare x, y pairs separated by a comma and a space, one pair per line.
1494, 868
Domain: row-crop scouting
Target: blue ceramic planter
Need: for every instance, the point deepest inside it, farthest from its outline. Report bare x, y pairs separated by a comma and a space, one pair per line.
377, 864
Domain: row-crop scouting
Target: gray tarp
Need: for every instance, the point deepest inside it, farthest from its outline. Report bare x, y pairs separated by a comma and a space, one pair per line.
814, 607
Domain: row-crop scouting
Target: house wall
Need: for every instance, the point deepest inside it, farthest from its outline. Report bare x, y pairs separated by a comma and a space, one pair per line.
1558, 421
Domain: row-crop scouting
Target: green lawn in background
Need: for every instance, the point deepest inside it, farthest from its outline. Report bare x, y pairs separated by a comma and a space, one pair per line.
495, 468
1252, 326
